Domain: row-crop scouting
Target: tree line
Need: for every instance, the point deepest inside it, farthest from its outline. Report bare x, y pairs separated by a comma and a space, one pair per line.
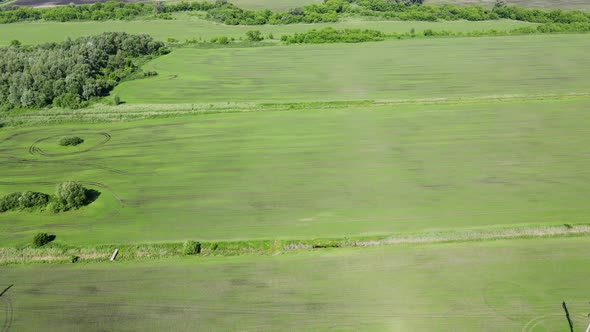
71, 73
328, 11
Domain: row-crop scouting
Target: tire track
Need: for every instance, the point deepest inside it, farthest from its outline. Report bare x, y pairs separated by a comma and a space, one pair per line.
34, 149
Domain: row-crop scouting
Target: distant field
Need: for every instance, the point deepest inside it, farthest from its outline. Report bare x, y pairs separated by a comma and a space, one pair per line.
185, 27
308, 173
490, 286
547, 4
406, 69
273, 4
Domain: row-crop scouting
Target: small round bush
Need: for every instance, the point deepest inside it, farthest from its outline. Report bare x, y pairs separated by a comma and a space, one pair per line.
191, 248
70, 141
41, 239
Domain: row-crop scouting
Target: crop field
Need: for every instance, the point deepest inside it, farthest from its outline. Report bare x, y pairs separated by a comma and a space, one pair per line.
488, 286
390, 70
336, 180
378, 170
187, 27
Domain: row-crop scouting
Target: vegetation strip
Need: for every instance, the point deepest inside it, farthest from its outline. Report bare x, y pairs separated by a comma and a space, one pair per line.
61, 253
105, 113
329, 11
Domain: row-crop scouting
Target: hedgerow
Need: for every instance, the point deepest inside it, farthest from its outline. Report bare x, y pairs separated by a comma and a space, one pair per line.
331, 35
68, 195
328, 11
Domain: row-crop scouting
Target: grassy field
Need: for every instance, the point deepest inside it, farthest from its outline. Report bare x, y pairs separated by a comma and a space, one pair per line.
390, 70
541, 4
308, 173
486, 286
186, 27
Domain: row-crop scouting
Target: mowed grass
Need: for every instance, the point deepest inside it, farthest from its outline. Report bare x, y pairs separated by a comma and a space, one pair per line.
353, 171
540, 4
186, 27
389, 70
489, 286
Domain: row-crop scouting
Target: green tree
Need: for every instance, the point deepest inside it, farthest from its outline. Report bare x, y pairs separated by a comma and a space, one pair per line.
71, 194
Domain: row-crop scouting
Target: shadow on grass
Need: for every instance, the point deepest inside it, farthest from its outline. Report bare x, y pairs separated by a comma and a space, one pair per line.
91, 196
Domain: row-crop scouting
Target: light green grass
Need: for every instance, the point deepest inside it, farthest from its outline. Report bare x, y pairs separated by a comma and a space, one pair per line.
541, 4
186, 27
395, 69
491, 286
373, 170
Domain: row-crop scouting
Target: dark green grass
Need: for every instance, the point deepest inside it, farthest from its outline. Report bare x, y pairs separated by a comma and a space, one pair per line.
489, 286
366, 170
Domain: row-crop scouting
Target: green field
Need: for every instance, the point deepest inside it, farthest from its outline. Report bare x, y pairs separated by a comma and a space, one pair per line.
419, 184
390, 70
311, 173
488, 286
186, 27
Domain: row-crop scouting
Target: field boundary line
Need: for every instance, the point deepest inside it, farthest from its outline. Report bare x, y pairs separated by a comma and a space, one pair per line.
131, 112
61, 253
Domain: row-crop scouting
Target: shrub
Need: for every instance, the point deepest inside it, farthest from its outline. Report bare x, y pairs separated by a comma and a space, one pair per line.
70, 141
331, 35
116, 99
71, 195
191, 248
223, 40
254, 35
214, 246
23, 200
41, 239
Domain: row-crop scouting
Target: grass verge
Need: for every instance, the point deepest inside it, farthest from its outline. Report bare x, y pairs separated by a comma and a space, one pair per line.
61, 253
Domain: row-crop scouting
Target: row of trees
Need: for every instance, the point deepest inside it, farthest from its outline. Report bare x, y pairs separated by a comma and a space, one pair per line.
331, 35
395, 10
328, 11
68, 195
71, 73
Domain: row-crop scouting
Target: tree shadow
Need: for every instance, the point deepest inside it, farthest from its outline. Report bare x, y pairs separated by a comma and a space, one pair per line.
91, 196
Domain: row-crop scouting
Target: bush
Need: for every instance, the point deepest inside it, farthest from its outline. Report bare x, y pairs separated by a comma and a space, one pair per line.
223, 40
254, 35
191, 248
23, 200
41, 239
116, 99
70, 141
71, 195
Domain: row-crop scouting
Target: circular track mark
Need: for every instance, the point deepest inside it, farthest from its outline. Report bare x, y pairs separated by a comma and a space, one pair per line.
35, 149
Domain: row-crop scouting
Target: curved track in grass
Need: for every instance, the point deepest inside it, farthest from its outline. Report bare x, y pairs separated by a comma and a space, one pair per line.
35, 149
